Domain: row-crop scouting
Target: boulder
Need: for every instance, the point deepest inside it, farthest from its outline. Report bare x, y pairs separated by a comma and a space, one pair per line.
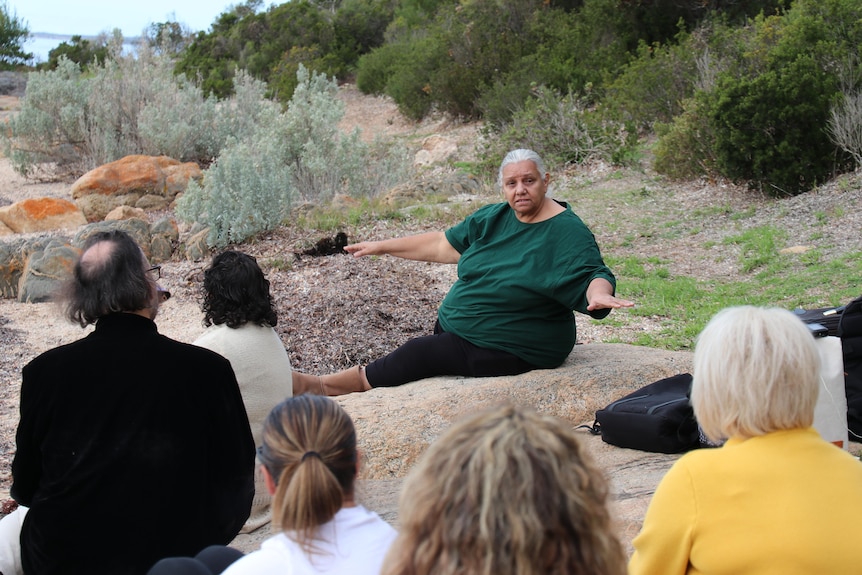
13, 259
137, 228
441, 185
41, 215
152, 202
167, 228
97, 207
128, 181
395, 425
196, 247
46, 271
177, 177
435, 149
125, 213
160, 250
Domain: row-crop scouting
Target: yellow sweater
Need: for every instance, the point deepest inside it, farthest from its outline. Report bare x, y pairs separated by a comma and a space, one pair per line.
785, 503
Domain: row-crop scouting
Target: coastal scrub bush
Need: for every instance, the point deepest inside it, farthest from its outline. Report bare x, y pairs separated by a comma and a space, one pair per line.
247, 190
562, 130
285, 156
685, 146
71, 122
50, 128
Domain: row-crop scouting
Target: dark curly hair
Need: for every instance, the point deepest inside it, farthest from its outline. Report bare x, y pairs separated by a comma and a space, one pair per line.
236, 292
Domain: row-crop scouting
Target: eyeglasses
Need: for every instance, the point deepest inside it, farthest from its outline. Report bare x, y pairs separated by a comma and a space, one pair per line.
156, 271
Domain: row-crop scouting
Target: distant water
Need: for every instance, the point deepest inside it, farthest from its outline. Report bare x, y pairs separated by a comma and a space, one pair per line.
41, 44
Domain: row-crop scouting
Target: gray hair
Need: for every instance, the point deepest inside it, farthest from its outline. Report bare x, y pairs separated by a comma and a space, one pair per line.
520, 155
756, 371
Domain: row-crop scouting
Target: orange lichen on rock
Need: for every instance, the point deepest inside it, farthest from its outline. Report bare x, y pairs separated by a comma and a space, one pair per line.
40, 208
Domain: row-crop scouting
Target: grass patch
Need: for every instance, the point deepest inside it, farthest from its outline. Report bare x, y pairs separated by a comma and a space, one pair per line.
681, 306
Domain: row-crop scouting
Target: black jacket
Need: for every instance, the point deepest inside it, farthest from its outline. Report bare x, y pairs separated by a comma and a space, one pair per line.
131, 447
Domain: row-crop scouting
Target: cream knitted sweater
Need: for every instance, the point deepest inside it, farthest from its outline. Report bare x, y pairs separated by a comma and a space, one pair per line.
263, 372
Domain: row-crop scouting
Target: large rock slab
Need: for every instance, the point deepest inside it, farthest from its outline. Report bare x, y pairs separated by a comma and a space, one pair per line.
395, 425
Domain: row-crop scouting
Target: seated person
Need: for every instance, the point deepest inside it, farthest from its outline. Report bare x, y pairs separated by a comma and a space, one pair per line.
523, 266
310, 464
238, 311
776, 497
130, 446
508, 491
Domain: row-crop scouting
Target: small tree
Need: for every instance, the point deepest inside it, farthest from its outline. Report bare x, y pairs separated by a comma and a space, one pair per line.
845, 126
13, 33
80, 51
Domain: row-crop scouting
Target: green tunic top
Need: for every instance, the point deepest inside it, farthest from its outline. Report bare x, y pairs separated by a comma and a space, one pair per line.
518, 283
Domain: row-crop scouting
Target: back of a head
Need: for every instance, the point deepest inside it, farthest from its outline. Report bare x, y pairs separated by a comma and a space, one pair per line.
309, 448
755, 371
506, 491
236, 292
109, 277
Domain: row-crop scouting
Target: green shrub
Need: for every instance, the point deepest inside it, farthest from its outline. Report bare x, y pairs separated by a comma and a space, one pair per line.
563, 131
771, 129
409, 81
375, 68
685, 146
654, 85
502, 99
80, 51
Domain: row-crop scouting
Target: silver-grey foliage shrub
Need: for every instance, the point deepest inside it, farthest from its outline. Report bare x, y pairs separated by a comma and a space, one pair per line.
132, 104
50, 127
325, 161
279, 157
246, 191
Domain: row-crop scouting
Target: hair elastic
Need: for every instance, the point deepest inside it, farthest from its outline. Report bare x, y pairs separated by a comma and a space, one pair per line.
308, 454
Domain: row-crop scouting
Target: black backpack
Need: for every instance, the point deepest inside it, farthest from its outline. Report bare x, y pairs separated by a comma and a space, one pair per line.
657, 417
850, 332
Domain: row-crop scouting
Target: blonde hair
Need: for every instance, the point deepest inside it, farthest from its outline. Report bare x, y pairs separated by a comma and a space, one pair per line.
756, 370
506, 491
309, 448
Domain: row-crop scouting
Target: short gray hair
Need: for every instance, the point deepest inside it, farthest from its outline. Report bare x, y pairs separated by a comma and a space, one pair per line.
520, 155
756, 370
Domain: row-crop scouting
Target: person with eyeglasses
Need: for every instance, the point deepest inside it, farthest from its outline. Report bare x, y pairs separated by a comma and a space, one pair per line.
310, 462
131, 446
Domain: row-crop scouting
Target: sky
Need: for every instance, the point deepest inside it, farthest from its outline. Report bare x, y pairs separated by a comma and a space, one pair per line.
90, 17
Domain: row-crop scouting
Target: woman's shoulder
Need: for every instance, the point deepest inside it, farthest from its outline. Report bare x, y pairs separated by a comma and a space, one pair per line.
274, 556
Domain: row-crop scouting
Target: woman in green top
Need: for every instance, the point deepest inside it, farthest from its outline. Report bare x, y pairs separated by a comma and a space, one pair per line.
523, 266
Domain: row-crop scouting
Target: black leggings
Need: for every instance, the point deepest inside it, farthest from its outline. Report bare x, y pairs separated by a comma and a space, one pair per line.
442, 354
